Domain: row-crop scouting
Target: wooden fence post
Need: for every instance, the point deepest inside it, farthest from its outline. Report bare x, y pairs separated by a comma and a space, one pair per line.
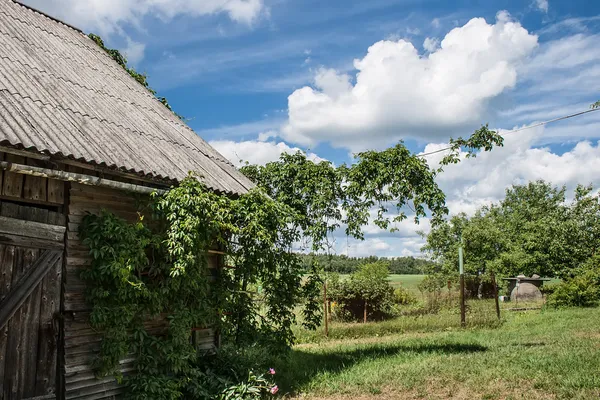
493, 276
325, 311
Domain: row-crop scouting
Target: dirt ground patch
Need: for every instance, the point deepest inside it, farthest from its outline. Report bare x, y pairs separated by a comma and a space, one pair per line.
367, 340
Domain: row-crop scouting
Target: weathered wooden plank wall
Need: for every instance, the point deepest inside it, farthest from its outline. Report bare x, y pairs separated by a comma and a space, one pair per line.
28, 342
81, 342
32, 189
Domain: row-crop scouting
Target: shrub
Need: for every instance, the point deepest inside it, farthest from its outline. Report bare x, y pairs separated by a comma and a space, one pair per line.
403, 297
229, 374
432, 287
368, 285
582, 290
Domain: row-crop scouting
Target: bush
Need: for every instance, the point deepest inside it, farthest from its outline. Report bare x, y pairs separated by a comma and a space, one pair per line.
369, 284
432, 287
403, 297
582, 290
229, 375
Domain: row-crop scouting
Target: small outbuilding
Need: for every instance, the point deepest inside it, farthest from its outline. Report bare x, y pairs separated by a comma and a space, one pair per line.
523, 288
77, 135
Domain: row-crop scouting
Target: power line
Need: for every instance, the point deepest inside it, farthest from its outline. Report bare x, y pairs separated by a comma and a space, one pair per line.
522, 129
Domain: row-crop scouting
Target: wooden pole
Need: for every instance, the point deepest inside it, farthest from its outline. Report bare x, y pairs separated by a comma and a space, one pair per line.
493, 277
463, 321
365, 313
325, 311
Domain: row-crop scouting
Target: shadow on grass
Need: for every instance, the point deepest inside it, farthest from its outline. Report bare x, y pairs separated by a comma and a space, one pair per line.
302, 366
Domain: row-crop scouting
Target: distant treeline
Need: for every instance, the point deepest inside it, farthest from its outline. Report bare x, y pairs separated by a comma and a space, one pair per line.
347, 265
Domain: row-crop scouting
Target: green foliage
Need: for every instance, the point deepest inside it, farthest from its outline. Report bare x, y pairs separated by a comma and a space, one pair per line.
255, 387
122, 61
404, 297
311, 313
532, 231
343, 264
311, 190
582, 290
158, 270
325, 197
482, 138
369, 284
395, 177
596, 105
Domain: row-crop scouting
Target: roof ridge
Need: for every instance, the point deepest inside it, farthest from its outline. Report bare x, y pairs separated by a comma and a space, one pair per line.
48, 16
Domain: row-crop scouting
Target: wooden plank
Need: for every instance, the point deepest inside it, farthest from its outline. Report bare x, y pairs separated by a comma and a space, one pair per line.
37, 230
56, 191
13, 182
98, 393
29, 201
35, 188
7, 256
29, 335
23, 288
24, 153
102, 198
11, 376
48, 340
24, 241
32, 213
1, 180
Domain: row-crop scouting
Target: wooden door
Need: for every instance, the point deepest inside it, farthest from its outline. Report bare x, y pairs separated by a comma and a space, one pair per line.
31, 252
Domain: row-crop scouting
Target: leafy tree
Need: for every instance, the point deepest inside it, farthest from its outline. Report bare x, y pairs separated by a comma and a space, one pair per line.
532, 230
343, 264
312, 190
325, 197
369, 285
581, 290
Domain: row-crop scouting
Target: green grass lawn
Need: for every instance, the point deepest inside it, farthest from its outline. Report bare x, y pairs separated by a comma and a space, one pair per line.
549, 354
409, 282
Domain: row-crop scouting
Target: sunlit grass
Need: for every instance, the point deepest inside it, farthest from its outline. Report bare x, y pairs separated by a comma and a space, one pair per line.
532, 355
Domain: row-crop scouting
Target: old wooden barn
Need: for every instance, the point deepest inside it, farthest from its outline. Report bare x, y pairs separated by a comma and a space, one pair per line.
77, 134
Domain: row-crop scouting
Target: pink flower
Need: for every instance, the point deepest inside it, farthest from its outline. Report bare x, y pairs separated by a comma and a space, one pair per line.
274, 389
271, 371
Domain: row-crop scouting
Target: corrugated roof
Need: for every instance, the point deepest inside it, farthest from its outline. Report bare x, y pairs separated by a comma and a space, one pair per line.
60, 94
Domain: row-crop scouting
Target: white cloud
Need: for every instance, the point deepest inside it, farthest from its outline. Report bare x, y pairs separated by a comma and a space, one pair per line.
364, 248
413, 31
399, 93
475, 182
107, 16
244, 129
542, 5
255, 152
431, 44
435, 23
568, 64
134, 51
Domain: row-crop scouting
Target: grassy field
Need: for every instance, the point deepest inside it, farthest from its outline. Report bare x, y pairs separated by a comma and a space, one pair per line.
549, 354
409, 282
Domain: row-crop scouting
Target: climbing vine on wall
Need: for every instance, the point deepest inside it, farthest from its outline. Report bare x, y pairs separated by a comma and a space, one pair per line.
156, 270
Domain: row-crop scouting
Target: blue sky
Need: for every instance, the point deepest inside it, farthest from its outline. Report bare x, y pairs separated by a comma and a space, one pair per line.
258, 77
